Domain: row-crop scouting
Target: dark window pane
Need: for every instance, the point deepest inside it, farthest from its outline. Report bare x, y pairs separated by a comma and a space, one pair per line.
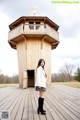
31, 25
37, 25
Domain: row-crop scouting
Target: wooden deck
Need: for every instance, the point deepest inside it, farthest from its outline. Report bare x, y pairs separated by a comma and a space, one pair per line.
61, 103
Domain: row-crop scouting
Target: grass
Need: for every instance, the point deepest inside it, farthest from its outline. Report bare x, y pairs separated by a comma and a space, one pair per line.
7, 85
71, 84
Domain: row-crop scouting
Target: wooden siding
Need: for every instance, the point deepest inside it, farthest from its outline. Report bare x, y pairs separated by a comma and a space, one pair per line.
46, 53
33, 52
22, 61
29, 53
61, 103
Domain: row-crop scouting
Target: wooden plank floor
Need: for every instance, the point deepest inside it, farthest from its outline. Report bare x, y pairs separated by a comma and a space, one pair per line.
61, 103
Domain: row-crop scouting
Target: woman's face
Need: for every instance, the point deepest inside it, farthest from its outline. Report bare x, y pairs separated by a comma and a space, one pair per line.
42, 63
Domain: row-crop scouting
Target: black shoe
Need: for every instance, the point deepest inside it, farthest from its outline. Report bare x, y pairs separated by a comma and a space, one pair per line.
42, 112
38, 111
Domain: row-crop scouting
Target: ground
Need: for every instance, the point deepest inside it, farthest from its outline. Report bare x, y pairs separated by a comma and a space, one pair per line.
61, 103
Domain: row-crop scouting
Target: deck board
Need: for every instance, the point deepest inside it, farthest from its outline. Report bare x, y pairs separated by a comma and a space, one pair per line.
61, 103
26, 107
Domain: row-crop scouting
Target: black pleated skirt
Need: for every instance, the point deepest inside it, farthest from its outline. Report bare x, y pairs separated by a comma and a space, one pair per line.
40, 89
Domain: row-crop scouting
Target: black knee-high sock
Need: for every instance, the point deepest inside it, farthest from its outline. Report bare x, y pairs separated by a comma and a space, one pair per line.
39, 104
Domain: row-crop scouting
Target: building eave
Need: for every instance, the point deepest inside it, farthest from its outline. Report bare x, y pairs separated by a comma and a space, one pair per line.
25, 18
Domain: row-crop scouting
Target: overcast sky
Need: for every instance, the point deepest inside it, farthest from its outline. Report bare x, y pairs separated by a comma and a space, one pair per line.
65, 15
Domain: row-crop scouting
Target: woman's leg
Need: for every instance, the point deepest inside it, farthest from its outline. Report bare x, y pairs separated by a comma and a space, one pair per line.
41, 94
41, 99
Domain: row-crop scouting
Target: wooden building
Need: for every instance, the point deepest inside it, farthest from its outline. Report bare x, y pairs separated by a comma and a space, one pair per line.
34, 37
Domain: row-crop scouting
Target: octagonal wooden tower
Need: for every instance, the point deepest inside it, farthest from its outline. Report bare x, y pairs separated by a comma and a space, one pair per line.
34, 37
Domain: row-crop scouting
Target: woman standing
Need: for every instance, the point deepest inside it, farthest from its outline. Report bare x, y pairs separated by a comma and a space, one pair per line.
40, 85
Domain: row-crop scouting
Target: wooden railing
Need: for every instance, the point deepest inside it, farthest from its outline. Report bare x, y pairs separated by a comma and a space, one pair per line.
33, 29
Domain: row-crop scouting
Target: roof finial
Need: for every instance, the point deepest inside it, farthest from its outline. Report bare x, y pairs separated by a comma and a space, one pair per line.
34, 10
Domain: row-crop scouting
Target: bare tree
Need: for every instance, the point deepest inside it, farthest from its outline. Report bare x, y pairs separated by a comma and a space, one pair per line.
65, 74
6, 79
67, 70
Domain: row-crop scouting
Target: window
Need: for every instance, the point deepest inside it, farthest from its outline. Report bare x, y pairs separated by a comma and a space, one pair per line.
37, 25
31, 25
45, 26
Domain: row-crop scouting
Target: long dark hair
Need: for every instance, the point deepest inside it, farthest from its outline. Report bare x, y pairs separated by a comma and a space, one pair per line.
39, 62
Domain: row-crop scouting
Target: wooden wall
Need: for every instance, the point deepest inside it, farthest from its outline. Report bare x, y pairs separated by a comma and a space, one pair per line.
21, 52
33, 52
29, 53
46, 53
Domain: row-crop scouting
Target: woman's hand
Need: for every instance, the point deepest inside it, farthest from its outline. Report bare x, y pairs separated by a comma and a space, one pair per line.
45, 75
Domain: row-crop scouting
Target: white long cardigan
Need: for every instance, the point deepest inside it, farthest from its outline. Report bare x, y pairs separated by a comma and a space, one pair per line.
40, 77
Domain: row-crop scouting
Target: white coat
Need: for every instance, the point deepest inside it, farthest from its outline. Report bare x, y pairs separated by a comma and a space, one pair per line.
40, 77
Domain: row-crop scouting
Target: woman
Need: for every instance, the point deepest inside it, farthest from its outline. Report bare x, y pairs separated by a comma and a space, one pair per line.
40, 85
